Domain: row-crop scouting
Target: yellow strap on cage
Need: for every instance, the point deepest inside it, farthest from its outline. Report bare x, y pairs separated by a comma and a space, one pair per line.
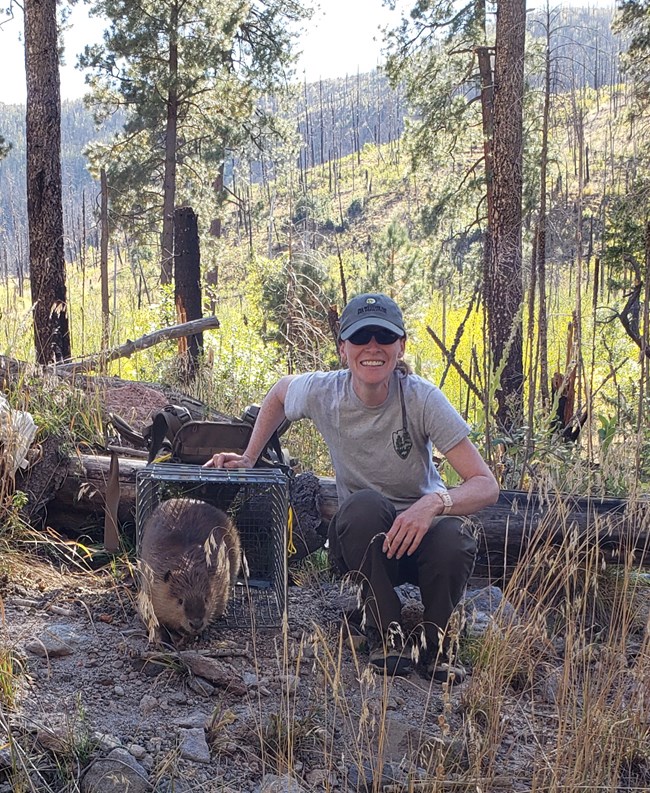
291, 548
163, 458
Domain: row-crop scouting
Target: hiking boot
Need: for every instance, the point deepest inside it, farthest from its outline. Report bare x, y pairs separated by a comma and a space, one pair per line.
440, 668
356, 636
390, 656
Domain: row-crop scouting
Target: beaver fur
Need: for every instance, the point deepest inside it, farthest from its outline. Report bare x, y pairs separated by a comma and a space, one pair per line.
189, 559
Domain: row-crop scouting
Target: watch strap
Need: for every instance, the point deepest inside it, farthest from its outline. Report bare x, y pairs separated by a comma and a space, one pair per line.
447, 501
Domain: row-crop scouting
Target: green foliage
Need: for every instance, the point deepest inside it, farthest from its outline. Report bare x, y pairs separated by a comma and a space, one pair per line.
189, 76
294, 298
355, 210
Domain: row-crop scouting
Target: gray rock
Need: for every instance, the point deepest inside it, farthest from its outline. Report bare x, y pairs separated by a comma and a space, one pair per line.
271, 783
116, 773
137, 751
54, 642
200, 686
148, 705
482, 607
193, 745
195, 720
106, 743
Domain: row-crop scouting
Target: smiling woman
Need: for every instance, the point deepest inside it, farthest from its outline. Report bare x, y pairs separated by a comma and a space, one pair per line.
396, 520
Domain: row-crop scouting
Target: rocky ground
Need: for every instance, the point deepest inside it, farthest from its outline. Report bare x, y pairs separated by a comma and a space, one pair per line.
91, 706
98, 708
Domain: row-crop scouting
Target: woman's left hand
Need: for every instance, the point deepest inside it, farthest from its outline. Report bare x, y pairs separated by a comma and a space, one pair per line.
408, 529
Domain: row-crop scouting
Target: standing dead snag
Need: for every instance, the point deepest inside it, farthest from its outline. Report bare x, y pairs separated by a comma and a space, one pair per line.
187, 291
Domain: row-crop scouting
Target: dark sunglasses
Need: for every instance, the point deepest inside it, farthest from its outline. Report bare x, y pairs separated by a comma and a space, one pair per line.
382, 336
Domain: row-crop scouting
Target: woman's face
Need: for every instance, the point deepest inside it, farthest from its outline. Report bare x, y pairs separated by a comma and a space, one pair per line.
372, 363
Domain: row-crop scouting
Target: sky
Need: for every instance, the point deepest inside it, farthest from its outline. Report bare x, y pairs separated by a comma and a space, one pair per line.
342, 37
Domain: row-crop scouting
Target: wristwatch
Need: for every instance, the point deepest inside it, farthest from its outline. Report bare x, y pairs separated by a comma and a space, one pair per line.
446, 500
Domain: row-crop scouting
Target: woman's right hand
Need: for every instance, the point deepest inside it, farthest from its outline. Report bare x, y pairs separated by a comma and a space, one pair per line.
229, 460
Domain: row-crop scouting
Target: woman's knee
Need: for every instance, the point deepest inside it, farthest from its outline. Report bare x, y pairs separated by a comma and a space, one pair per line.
449, 543
365, 512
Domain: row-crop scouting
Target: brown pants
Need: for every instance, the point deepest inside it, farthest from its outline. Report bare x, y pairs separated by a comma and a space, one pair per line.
440, 566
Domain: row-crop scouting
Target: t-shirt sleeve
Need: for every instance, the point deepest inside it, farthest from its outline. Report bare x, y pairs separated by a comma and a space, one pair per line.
300, 398
444, 424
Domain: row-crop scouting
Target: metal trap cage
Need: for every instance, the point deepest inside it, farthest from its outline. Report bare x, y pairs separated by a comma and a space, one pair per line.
257, 501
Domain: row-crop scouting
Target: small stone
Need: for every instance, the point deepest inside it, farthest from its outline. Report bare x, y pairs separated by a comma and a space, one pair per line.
118, 691
195, 720
193, 745
148, 705
137, 751
54, 642
115, 774
178, 698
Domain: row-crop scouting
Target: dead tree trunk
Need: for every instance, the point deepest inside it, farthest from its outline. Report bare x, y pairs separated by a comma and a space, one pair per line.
187, 286
507, 530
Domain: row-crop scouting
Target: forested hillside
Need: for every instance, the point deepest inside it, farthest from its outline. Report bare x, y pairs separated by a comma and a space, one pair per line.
494, 180
332, 119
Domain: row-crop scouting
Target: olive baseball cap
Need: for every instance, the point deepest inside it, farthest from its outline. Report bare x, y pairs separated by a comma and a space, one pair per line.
371, 309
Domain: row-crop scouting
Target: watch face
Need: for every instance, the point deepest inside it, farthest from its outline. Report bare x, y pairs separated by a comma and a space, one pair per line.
447, 501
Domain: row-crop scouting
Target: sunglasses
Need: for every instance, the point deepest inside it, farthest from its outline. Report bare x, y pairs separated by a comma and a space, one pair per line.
382, 336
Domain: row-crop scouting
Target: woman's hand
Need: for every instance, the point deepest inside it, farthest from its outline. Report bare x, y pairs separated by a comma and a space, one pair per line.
229, 460
408, 529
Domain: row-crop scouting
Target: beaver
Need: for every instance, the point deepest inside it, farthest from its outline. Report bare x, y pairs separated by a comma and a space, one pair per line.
189, 558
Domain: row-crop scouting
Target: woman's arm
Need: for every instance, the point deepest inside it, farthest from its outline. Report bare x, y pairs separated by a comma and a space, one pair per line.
478, 490
269, 418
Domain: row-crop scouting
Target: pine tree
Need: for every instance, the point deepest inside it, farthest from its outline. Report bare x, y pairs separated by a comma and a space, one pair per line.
44, 201
189, 74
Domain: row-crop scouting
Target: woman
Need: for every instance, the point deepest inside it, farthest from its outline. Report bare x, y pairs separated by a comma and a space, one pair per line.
396, 520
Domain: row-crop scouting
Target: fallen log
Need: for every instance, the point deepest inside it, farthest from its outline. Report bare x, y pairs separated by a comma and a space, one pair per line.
506, 530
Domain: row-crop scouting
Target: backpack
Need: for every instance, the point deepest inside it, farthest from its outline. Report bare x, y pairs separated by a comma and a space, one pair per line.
174, 435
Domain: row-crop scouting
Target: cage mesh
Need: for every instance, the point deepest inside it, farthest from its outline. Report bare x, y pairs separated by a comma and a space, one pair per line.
257, 502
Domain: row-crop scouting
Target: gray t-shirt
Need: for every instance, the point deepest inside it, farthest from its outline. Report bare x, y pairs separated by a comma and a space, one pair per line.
373, 447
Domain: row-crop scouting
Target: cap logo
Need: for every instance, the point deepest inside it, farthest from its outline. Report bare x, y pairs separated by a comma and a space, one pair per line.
371, 300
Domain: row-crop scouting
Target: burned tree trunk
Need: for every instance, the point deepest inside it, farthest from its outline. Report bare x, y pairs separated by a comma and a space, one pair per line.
44, 201
187, 279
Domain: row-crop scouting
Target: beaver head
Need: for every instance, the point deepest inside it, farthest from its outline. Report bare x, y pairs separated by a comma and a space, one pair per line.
187, 598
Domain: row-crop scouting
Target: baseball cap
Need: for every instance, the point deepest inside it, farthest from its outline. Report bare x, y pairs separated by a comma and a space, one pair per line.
371, 309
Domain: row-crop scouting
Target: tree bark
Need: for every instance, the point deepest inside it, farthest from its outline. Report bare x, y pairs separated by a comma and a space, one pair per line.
504, 288
542, 320
103, 262
44, 201
171, 143
187, 286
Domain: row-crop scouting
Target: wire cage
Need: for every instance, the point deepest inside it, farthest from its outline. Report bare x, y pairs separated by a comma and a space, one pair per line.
257, 501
